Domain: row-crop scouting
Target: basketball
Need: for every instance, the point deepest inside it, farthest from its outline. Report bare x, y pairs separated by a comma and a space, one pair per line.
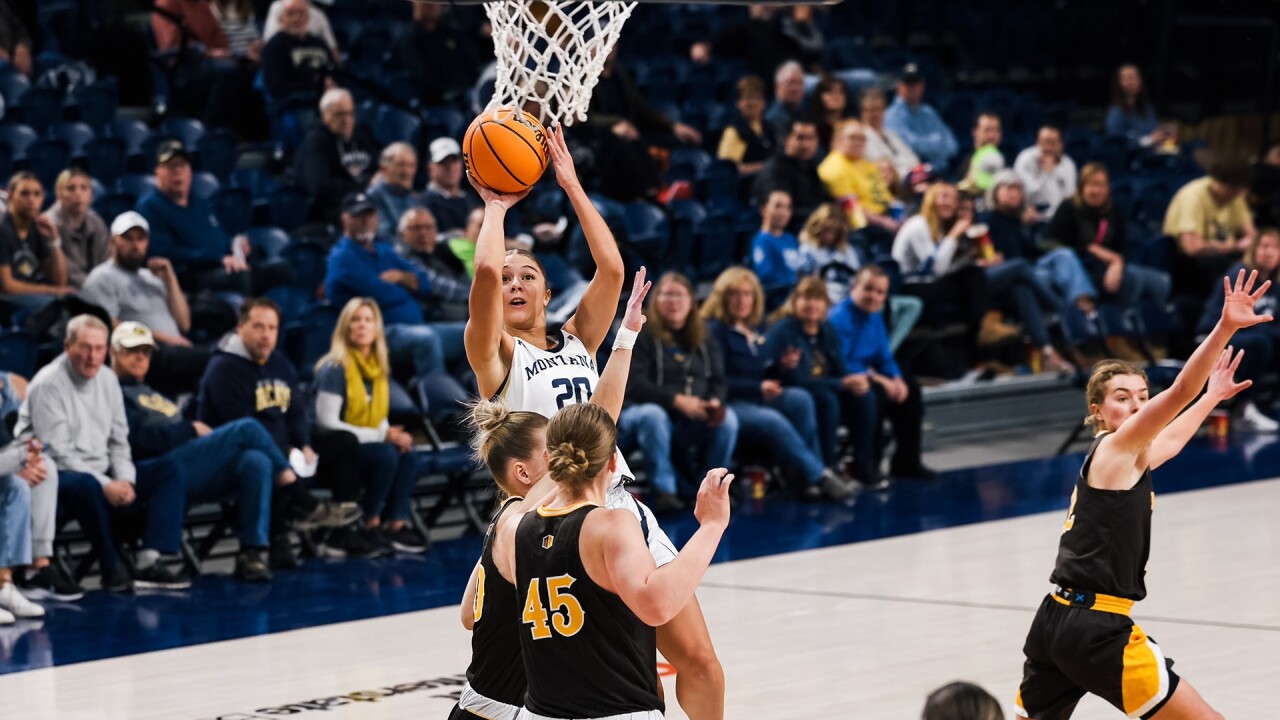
505, 150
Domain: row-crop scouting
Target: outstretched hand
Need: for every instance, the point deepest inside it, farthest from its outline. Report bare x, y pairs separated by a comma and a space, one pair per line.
634, 317
712, 507
491, 197
1222, 383
1237, 307
561, 159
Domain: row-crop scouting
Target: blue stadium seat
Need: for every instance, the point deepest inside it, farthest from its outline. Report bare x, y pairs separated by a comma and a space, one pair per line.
188, 130
46, 159
17, 138
445, 121
395, 125
268, 242
716, 248
308, 262
111, 205
233, 207
257, 181
204, 184
97, 104
75, 134
105, 159
18, 352
289, 205
216, 154
132, 132
13, 86
307, 340
648, 230
294, 302
689, 217
690, 162
40, 107
136, 184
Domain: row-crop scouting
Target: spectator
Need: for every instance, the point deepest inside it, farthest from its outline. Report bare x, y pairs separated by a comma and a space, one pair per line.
85, 241
449, 286
1260, 342
131, 287
1011, 227
176, 24
1132, 115
918, 123
1210, 220
794, 172
78, 412
747, 140
15, 41
825, 250
392, 188
788, 98
961, 701
237, 462
759, 41
775, 253
42, 579
335, 159
33, 270
883, 143
317, 25
1048, 175
463, 245
183, 229
779, 418
677, 392
353, 391
240, 26
1095, 228
296, 66
361, 265
832, 108
987, 160
247, 378
449, 200
435, 55
21, 468
856, 181
935, 257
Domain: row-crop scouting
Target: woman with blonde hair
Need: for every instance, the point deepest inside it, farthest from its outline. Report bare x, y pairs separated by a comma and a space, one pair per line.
353, 395
781, 418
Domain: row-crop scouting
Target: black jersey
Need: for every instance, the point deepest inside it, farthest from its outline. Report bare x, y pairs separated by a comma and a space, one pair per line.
586, 654
1107, 537
496, 671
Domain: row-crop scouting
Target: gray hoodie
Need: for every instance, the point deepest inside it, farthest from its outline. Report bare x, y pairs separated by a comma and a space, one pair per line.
81, 420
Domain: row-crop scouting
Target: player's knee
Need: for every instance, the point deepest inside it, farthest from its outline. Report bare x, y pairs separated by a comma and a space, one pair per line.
701, 663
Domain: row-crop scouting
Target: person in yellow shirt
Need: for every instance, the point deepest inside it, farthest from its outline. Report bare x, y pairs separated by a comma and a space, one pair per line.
1211, 222
856, 181
748, 141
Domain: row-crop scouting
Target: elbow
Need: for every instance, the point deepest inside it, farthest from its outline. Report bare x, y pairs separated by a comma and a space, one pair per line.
468, 621
657, 611
486, 271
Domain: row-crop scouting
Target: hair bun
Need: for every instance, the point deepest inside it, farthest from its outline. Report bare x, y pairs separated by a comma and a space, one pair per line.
569, 461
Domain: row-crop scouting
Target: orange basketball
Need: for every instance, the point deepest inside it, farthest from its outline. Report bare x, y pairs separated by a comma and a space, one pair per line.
505, 150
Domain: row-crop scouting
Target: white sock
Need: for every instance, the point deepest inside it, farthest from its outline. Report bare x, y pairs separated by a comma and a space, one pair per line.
146, 558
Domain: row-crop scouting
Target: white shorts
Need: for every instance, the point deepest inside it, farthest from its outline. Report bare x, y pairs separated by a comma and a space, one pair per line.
474, 702
648, 715
660, 546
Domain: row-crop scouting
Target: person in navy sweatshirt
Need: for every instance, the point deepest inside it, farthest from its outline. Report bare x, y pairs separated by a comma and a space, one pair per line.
247, 378
883, 390
363, 265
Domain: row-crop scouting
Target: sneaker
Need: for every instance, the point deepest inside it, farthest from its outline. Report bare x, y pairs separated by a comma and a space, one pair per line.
873, 483
406, 540
7, 618
251, 565
116, 580
281, 556
666, 503
330, 515
833, 487
17, 604
1253, 419
351, 541
159, 577
48, 583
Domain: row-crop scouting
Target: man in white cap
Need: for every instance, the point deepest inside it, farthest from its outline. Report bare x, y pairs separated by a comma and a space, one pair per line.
449, 199
131, 287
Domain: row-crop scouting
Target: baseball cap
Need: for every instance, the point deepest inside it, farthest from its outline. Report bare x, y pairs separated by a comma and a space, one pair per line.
128, 335
444, 148
356, 203
170, 149
910, 73
127, 221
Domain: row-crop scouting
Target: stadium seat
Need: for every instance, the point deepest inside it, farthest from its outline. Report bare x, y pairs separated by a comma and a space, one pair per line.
716, 247
445, 122
308, 262
688, 162
13, 86
105, 159
17, 138
46, 159
18, 352
268, 242
233, 207
75, 134
648, 230
293, 302
257, 181
395, 125
689, 216
216, 154
307, 339
111, 205
188, 130
132, 132
97, 104
289, 205
204, 184
135, 184
40, 107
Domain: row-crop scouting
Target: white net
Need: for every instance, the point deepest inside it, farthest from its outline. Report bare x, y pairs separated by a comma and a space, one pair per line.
550, 53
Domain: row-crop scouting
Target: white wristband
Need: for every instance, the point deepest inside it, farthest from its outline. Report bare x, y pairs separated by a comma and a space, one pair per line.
625, 339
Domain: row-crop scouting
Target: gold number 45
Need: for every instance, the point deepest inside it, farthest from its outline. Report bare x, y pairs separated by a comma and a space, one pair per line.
567, 616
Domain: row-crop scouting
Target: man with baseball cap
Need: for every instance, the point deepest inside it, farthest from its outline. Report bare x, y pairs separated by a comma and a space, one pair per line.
131, 287
449, 199
918, 123
236, 462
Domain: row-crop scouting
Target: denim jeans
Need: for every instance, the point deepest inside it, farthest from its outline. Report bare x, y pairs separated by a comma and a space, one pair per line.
796, 404
160, 501
1143, 284
762, 425
1014, 282
826, 403
651, 428
392, 478
236, 461
431, 347
15, 521
1061, 271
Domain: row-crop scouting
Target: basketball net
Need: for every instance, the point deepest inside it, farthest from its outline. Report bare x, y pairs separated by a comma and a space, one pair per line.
550, 53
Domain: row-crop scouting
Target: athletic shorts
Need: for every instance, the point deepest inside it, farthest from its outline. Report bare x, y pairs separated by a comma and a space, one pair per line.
649, 715
1085, 643
474, 705
660, 546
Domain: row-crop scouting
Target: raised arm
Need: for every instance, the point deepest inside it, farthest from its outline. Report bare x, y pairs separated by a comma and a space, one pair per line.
1237, 312
1222, 386
485, 338
613, 382
594, 316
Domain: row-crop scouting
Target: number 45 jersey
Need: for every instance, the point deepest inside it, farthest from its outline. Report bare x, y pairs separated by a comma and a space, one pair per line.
544, 381
586, 654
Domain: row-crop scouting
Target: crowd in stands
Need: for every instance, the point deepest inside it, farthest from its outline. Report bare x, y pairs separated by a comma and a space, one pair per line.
209, 328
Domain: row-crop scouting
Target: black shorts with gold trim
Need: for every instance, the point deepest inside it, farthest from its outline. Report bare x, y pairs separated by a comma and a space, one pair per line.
1082, 642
